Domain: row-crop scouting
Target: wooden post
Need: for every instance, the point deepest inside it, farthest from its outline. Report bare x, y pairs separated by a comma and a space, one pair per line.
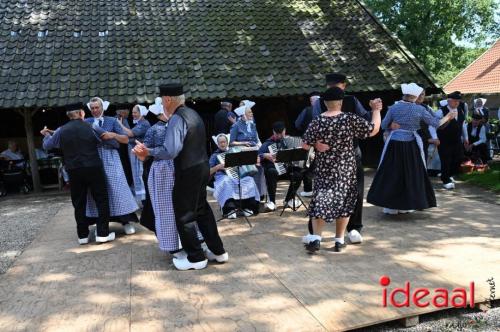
30, 138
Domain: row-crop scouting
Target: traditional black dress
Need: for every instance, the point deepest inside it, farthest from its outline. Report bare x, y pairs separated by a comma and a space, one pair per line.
401, 181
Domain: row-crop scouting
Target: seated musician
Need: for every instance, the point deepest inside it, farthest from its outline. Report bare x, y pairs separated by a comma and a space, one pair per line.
244, 131
474, 134
226, 187
267, 161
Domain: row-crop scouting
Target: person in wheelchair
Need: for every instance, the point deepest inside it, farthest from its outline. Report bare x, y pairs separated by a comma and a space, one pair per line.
226, 187
13, 172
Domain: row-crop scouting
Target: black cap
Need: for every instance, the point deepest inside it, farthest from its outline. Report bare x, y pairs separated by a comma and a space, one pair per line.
477, 116
278, 126
334, 93
74, 107
455, 95
334, 78
315, 93
171, 89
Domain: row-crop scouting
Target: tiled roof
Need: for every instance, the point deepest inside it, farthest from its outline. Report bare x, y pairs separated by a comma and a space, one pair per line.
56, 52
481, 76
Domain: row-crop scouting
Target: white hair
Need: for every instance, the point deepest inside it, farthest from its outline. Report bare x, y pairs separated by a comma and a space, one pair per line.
97, 100
179, 99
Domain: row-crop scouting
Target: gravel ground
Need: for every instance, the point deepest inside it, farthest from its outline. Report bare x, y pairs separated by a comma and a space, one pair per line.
449, 321
21, 217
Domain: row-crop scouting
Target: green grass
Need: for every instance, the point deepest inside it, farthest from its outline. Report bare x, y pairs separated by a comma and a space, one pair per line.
490, 179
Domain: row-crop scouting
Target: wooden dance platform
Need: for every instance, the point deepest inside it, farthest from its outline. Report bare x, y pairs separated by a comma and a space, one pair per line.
270, 283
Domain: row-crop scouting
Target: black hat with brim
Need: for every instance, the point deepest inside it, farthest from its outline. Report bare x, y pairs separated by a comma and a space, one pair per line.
171, 89
334, 78
455, 95
333, 94
74, 107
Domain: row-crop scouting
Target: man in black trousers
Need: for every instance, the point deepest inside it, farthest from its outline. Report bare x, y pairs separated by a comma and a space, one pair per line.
78, 141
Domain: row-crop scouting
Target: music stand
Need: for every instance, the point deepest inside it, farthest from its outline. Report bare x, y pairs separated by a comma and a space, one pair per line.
238, 159
288, 156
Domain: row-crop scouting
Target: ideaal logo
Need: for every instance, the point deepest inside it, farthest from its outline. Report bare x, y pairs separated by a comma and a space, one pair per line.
423, 297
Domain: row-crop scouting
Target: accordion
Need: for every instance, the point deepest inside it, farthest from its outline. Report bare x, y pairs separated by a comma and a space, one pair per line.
289, 142
232, 172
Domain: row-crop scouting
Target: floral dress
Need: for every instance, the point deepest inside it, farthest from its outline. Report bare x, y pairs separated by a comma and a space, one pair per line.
334, 191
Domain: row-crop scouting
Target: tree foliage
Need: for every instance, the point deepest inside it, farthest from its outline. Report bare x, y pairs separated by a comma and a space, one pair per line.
434, 29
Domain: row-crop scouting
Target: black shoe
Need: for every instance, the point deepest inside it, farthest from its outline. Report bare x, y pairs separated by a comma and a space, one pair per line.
339, 246
312, 246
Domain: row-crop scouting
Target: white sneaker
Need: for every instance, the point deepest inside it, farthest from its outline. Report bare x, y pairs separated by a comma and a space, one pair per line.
129, 229
449, 186
306, 193
307, 238
406, 211
354, 236
83, 241
247, 212
298, 203
180, 254
270, 206
232, 215
389, 211
184, 264
219, 258
103, 239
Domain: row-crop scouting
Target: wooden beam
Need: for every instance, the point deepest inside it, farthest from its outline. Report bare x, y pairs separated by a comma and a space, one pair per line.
30, 138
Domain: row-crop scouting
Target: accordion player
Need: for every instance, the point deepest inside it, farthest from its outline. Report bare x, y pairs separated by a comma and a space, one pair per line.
272, 169
226, 184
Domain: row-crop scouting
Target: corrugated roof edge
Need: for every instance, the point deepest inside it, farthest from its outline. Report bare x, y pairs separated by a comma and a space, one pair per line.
403, 48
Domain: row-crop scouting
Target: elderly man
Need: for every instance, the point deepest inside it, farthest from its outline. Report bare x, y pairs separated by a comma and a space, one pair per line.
350, 104
79, 143
450, 136
122, 204
185, 144
475, 140
13, 153
224, 118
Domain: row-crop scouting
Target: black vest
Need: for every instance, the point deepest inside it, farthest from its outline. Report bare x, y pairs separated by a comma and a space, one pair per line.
451, 133
79, 145
424, 128
194, 149
473, 139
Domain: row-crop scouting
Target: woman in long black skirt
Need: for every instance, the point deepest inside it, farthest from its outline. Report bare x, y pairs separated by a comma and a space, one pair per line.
335, 189
401, 184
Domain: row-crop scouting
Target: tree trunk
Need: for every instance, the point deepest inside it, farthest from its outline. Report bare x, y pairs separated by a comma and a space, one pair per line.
28, 127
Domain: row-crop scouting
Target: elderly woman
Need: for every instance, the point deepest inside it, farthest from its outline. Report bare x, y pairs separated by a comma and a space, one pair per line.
335, 185
137, 133
244, 131
401, 183
122, 204
226, 188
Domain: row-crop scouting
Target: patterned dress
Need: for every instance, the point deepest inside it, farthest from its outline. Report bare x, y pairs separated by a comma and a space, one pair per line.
139, 131
160, 186
335, 192
121, 200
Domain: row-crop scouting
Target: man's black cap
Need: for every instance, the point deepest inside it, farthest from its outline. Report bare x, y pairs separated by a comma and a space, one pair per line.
334, 78
171, 89
334, 93
455, 95
74, 107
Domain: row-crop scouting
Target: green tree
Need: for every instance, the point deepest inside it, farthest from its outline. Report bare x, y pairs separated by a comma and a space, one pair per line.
435, 31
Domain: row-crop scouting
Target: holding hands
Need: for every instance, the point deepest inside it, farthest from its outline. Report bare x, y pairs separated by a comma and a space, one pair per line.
376, 105
140, 150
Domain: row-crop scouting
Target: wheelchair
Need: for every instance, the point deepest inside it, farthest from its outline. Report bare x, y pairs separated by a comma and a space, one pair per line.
14, 176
